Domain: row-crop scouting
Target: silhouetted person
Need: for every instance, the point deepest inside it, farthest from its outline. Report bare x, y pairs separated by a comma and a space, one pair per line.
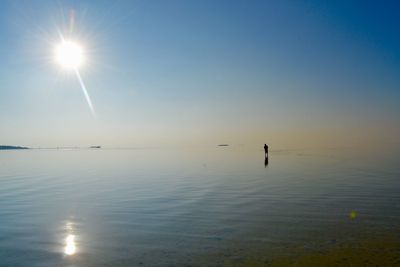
266, 162
266, 150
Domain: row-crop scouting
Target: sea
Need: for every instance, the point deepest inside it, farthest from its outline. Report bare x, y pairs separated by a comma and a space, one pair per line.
216, 206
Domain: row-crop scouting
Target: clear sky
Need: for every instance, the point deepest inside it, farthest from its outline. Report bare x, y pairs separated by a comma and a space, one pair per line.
294, 74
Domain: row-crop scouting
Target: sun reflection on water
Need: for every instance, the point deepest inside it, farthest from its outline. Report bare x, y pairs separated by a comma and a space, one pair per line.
70, 247
70, 244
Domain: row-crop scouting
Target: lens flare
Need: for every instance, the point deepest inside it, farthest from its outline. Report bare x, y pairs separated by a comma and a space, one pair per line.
85, 92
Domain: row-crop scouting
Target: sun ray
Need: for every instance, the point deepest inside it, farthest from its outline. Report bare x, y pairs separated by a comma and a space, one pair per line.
85, 92
70, 56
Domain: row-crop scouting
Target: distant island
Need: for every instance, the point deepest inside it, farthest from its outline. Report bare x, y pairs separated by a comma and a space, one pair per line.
3, 147
12, 147
223, 145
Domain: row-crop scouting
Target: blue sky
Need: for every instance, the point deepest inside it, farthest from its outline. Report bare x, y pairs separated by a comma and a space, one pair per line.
291, 73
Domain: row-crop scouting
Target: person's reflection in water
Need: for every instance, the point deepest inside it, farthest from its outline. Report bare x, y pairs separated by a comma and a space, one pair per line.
266, 161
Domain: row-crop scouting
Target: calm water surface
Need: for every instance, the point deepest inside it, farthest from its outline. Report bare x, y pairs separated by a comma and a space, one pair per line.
155, 207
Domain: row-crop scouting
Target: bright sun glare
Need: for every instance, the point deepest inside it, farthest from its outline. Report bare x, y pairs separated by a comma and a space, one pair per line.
69, 54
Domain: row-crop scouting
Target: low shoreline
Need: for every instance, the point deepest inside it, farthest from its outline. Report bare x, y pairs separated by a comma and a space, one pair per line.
13, 147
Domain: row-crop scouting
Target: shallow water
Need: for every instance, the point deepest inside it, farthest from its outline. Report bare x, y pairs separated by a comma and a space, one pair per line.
165, 207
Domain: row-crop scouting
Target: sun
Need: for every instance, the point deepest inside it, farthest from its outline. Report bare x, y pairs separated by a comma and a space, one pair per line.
69, 54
